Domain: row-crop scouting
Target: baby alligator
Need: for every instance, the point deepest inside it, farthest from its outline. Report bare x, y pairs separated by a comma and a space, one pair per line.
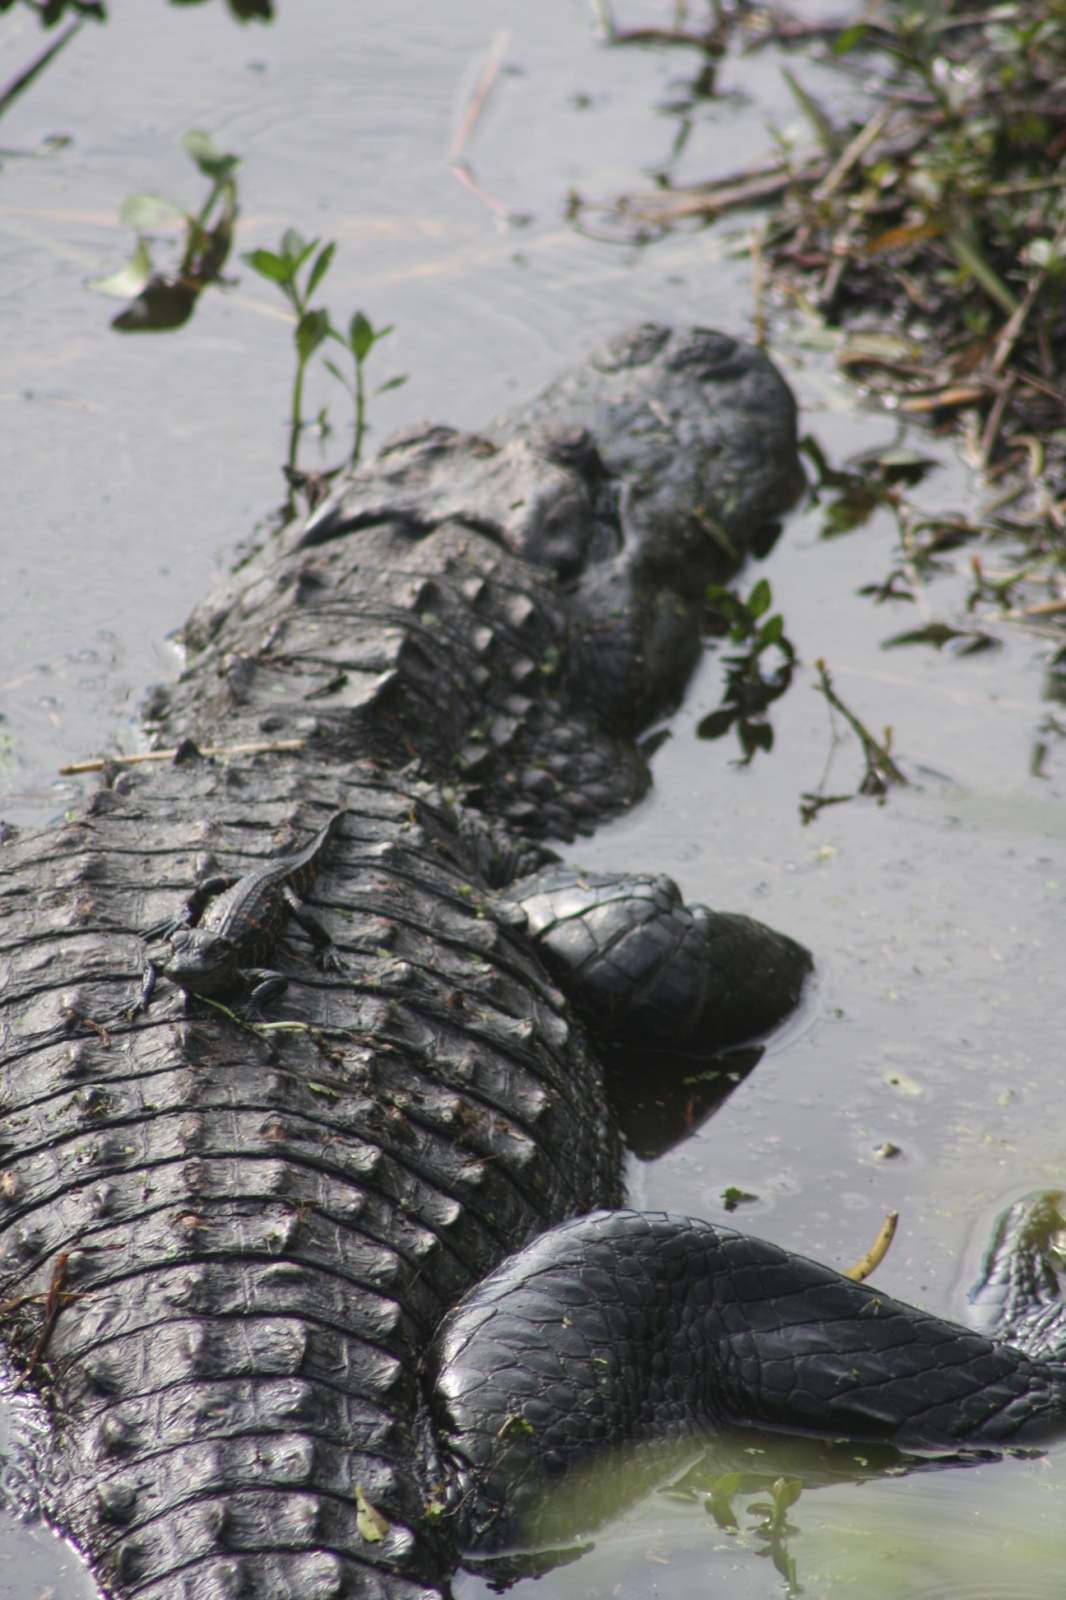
241, 927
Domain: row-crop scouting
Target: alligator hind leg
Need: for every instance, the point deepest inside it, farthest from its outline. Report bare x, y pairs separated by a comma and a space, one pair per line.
327, 958
644, 969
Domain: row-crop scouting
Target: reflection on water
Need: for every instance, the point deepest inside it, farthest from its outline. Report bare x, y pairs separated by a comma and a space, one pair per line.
660, 1098
753, 1515
935, 1026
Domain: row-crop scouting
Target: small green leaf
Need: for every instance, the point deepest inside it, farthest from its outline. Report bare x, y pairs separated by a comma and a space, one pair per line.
360, 336
849, 39
786, 1491
212, 162
163, 304
733, 1197
759, 599
129, 280
371, 1524
716, 723
145, 210
320, 268
772, 631
277, 268
311, 330
391, 383
515, 1423
337, 373
294, 248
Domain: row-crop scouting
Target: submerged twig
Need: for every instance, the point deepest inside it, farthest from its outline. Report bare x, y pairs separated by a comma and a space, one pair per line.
456, 161
881, 770
479, 97
758, 337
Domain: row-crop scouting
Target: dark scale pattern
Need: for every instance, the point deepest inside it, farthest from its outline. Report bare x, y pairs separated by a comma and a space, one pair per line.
441, 644
249, 1238
266, 1232
623, 1329
641, 966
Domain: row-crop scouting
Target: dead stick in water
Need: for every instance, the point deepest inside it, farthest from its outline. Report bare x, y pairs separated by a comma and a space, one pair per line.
758, 239
267, 748
481, 94
874, 1257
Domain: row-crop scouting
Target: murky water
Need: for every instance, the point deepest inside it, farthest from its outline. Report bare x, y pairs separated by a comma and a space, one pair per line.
133, 464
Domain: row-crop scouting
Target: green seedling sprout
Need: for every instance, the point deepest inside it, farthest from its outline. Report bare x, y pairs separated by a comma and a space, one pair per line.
313, 328
312, 324
362, 337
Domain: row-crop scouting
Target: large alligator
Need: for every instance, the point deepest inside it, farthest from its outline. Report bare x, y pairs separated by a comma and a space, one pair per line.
232, 1247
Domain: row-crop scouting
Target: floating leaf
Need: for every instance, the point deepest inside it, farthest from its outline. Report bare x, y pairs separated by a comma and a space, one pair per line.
939, 634
161, 305
129, 280
147, 210
212, 162
893, 238
885, 349
733, 1197
371, 1524
902, 466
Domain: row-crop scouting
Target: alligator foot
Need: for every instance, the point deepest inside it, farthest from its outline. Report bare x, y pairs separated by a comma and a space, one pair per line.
269, 986
144, 998
643, 969
327, 958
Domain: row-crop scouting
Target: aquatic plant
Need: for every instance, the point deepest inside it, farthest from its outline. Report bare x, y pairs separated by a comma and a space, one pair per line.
313, 327
926, 242
160, 301
749, 689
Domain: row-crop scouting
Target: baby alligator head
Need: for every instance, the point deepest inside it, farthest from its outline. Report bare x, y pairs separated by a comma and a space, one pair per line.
201, 961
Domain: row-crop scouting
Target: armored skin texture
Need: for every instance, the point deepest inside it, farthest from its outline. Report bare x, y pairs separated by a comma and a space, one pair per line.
226, 1245
621, 1332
